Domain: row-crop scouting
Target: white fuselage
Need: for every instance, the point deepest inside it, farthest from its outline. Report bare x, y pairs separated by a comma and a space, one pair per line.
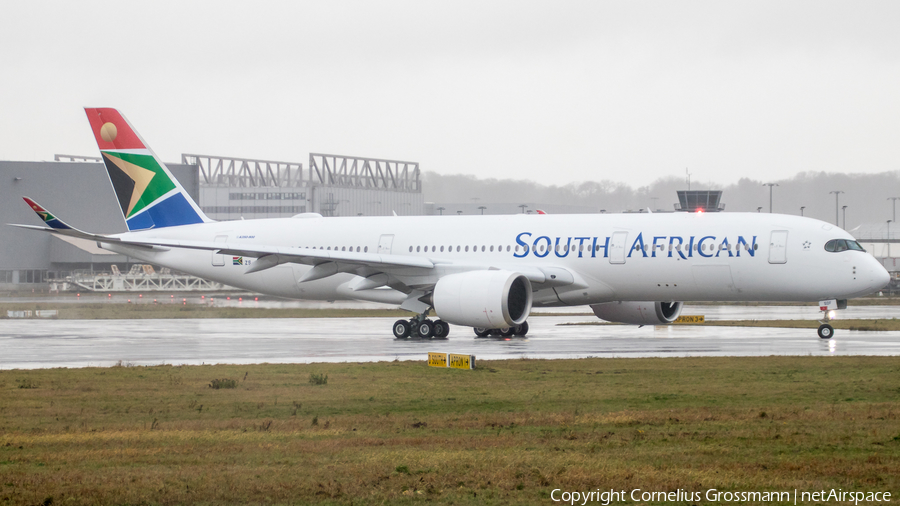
613, 257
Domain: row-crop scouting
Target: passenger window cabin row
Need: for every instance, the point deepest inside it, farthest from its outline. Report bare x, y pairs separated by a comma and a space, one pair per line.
559, 248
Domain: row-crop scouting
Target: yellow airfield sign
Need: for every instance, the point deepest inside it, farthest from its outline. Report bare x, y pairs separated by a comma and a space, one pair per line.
462, 361
690, 319
451, 360
437, 359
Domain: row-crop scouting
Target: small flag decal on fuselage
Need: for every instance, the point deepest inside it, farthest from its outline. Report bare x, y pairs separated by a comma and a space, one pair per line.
237, 260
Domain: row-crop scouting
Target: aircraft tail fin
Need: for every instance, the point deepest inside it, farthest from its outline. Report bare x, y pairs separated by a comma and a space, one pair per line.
148, 195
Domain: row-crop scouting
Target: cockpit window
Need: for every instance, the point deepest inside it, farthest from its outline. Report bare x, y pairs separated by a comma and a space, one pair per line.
836, 245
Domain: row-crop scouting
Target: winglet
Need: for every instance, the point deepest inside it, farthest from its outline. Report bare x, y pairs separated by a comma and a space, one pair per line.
57, 226
49, 219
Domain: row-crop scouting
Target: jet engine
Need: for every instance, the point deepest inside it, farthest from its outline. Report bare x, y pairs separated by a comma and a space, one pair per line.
488, 299
638, 313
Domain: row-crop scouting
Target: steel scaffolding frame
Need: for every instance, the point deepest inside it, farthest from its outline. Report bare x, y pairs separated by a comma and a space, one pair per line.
76, 158
324, 170
143, 282
245, 172
359, 172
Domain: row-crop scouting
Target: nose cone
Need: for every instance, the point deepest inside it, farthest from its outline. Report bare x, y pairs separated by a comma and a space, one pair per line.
875, 274
880, 276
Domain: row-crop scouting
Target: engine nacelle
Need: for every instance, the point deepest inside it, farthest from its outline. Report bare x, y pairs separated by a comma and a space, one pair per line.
638, 313
487, 299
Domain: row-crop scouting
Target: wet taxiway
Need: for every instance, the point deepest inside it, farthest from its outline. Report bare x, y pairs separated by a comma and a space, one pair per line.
81, 343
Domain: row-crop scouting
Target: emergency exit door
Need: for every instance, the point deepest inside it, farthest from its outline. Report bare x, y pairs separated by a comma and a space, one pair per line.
384, 244
778, 247
218, 260
617, 244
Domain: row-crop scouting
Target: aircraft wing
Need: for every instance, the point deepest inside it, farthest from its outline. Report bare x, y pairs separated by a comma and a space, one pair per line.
324, 262
267, 257
410, 270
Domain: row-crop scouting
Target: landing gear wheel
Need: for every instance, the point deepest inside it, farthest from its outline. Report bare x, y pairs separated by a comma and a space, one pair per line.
401, 329
441, 329
413, 327
505, 331
481, 332
425, 329
826, 331
522, 329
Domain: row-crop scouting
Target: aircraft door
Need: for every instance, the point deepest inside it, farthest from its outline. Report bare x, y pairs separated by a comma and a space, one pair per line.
384, 244
617, 245
218, 260
778, 247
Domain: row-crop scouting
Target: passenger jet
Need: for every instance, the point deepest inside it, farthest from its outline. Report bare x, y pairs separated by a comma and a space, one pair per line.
485, 272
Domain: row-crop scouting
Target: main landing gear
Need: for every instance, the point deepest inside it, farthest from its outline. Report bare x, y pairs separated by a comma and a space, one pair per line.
421, 327
518, 330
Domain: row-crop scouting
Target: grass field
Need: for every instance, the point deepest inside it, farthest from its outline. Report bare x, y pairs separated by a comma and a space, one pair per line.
508, 432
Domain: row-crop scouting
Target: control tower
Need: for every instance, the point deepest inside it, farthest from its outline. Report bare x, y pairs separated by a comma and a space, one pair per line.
707, 201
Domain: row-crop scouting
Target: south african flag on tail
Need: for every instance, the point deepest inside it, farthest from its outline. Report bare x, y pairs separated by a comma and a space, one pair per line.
148, 194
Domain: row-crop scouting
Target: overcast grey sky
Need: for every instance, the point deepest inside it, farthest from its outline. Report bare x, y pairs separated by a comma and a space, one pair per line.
554, 91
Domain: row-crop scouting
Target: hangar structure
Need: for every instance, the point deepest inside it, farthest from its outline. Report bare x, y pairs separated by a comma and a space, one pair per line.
77, 189
331, 185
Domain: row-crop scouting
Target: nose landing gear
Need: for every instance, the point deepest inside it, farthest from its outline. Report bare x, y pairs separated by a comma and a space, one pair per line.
827, 307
